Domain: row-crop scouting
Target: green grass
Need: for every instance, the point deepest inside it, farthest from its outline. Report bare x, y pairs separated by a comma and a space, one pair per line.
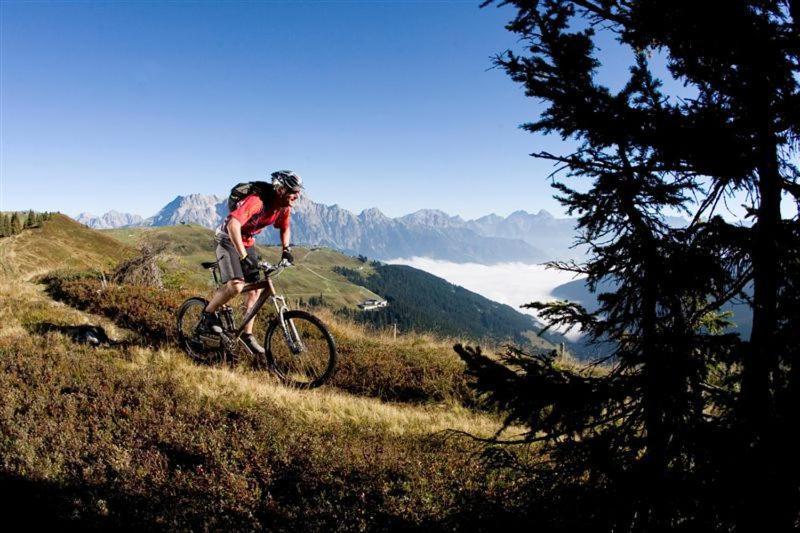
59, 243
414, 368
188, 245
141, 438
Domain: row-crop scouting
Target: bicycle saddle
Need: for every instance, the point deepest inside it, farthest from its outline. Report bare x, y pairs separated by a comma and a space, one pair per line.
209, 264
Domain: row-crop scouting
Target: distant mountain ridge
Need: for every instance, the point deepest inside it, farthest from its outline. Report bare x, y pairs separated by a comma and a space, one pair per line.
521, 237
111, 220
200, 209
578, 291
554, 236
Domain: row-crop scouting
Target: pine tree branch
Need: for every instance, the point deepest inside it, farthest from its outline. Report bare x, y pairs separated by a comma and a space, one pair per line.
601, 12
746, 277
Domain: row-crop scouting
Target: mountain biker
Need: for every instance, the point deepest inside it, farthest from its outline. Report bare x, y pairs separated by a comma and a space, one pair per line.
235, 237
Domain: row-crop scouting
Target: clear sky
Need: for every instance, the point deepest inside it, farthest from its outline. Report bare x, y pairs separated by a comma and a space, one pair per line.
125, 105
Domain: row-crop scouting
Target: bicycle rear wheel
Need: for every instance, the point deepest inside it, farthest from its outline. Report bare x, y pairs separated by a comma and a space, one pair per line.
306, 359
189, 316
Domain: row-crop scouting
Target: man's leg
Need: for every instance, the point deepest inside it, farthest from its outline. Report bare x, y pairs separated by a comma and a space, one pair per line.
230, 270
252, 296
210, 324
248, 337
224, 294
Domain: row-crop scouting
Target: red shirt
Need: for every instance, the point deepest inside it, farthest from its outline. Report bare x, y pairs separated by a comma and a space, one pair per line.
255, 216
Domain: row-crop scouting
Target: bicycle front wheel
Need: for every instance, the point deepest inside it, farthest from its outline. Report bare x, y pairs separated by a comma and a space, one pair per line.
303, 354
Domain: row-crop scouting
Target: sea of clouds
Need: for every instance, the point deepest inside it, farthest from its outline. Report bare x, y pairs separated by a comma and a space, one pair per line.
513, 284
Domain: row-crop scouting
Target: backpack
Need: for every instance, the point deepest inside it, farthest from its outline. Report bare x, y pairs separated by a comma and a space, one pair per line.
242, 190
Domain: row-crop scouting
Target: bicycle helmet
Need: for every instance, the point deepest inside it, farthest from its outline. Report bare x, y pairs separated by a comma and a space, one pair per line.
287, 179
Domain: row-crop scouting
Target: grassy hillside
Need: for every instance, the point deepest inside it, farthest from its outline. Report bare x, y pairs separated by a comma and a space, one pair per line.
189, 245
59, 242
137, 436
142, 438
412, 368
421, 301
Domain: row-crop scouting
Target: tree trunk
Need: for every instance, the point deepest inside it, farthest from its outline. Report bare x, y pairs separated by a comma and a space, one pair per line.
761, 359
655, 462
651, 509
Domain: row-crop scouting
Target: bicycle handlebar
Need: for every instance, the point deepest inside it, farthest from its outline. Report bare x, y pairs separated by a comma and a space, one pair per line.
270, 269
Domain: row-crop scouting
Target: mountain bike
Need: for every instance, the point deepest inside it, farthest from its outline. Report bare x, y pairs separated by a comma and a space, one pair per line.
299, 349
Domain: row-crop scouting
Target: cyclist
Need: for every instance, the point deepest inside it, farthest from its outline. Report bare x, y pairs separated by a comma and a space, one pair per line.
235, 237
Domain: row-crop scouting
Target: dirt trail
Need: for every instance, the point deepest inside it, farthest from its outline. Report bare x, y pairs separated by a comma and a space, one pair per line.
26, 305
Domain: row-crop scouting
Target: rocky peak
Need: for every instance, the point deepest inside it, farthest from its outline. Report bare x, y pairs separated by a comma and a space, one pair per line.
112, 219
372, 214
205, 210
85, 218
520, 213
432, 217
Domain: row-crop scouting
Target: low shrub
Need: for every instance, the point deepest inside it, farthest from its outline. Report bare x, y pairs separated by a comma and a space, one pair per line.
88, 440
142, 269
411, 369
146, 310
399, 371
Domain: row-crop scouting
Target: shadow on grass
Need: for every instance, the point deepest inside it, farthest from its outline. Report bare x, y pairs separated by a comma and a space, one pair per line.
47, 505
88, 334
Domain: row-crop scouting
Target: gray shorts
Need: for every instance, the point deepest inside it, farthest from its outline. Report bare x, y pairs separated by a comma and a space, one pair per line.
230, 267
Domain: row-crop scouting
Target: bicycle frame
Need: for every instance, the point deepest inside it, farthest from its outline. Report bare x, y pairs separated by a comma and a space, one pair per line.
280, 307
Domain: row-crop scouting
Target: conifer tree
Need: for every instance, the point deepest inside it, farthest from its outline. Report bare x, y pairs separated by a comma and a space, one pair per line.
5, 225
16, 224
643, 151
743, 60
30, 219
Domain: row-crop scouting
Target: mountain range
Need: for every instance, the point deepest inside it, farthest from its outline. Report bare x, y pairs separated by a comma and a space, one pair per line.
112, 219
740, 312
522, 237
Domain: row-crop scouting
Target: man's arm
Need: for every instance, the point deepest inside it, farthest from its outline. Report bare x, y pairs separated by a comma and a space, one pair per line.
234, 228
285, 237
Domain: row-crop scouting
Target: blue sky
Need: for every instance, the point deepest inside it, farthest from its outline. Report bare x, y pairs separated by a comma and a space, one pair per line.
125, 105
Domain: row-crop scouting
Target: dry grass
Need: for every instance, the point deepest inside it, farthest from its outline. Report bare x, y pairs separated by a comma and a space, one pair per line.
412, 368
59, 243
25, 306
28, 305
141, 437
331, 408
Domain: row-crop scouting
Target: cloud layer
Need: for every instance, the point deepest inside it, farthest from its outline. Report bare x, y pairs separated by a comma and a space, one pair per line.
513, 284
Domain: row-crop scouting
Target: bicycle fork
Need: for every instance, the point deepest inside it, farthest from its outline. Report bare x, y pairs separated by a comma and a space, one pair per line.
289, 330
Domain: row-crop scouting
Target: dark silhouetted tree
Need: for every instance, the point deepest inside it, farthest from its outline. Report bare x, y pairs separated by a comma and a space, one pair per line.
661, 430
742, 57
